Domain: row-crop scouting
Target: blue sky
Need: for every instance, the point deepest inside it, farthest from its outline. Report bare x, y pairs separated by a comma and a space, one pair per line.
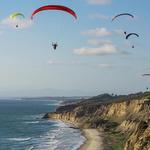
93, 56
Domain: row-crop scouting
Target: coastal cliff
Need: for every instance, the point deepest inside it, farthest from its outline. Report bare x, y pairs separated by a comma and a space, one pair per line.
127, 114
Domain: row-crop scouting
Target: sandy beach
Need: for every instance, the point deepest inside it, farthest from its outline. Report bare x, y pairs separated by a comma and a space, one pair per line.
94, 140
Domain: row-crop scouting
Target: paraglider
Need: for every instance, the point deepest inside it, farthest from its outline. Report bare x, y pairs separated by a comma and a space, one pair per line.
15, 15
54, 7
147, 74
125, 33
130, 34
55, 45
122, 14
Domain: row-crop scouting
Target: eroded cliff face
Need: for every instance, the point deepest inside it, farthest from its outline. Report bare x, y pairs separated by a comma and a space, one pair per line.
131, 117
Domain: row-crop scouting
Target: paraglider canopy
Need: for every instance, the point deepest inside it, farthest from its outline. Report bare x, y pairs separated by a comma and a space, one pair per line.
128, 35
122, 14
147, 74
54, 7
16, 14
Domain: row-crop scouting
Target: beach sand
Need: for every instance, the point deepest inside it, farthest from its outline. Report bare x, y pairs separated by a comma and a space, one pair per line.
94, 140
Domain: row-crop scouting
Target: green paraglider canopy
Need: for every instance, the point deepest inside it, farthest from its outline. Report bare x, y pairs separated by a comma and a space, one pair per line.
16, 14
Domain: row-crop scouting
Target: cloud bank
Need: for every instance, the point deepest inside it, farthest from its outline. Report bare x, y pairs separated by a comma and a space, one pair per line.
106, 49
98, 42
97, 32
20, 23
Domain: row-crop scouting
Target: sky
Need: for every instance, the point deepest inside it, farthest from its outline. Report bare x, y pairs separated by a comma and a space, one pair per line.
92, 57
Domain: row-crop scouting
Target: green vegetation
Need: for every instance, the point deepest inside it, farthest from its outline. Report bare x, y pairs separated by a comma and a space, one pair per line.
116, 139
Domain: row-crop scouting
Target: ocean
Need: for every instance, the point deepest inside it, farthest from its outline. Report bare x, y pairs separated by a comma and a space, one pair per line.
22, 127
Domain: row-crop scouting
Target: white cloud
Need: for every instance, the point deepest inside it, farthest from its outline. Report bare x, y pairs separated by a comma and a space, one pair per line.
21, 23
106, 49
97, 32
99, 2
98, 42
79, 63
99, 16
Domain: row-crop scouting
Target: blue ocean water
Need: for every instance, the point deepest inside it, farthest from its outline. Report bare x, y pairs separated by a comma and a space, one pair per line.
22, 127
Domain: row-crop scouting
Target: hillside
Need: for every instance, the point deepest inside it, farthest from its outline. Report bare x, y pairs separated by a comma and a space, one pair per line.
127, 115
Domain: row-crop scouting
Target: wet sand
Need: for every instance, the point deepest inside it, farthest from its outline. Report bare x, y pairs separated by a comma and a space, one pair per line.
94, 140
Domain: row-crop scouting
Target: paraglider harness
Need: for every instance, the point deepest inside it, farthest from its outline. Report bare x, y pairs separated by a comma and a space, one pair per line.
54, 45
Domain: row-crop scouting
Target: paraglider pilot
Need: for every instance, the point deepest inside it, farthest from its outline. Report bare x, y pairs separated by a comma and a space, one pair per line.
54, 45
132, 46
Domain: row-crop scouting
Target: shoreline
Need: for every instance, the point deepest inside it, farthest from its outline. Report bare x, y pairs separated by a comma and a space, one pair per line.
94, 140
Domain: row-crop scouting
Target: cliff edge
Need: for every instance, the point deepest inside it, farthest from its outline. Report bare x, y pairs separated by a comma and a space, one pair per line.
125, 114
